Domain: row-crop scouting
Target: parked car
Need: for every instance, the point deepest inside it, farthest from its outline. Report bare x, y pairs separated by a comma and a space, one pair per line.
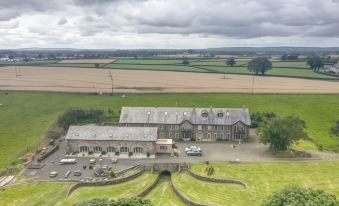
106, 167
53, 174
91, 161
77, 173
67, 173
114, 160
189, 148
67, 161
194, 153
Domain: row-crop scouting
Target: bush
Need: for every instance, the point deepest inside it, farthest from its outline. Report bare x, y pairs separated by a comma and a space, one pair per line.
130, 154
295, 196
103, 152
335, 128
117, 153
54, 132
148, 154
90, 152
76, 116
112, 174
134, 201
261, 117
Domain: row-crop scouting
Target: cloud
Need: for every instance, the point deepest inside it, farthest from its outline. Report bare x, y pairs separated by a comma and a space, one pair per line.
212, 22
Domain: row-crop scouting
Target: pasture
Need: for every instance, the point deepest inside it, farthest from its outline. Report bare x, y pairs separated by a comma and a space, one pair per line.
25, 116
86, 61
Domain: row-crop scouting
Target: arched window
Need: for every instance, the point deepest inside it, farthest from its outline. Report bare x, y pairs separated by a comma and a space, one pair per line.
137, 150
110, 149
124, 149
222, 136
97, 149
204, 114
84, 149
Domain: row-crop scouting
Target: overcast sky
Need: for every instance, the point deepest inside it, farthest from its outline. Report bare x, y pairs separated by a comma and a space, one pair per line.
127, 24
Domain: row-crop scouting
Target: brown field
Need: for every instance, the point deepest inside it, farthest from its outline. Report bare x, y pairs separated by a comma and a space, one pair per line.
86, 61
97, 80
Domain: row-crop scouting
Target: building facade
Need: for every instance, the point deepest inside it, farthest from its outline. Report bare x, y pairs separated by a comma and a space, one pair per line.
197, 124
111, 139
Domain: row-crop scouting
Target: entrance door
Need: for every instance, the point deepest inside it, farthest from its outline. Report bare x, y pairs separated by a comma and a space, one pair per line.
186, 134
199, 136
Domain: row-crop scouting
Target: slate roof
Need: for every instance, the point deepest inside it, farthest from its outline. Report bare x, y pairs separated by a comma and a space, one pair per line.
148, 134
176, 115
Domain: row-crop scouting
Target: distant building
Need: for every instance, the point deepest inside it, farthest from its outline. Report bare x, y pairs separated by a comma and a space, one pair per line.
335, 68
199, 124
112, 139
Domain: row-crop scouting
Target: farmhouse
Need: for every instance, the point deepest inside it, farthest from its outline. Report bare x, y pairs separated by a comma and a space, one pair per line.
199, 124
112, 139
335, 68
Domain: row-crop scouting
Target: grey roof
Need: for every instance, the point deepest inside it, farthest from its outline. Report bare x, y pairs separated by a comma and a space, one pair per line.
112, 133
176, 115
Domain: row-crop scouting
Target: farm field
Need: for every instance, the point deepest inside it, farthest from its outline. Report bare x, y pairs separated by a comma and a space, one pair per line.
25, 116
86, 61
35, 62
149, 61
296, 64
55, 193
262, 179
155, 67
72, 79
75, 65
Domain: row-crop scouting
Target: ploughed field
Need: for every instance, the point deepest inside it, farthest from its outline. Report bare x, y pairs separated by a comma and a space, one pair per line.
25, 116
74, 79
262, 179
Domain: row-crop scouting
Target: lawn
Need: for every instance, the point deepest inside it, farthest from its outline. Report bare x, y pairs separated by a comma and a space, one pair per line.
163, 194
291, 64
262, 178
149, 61
218, 62
35, 62
55, 193
25, 116
155, 67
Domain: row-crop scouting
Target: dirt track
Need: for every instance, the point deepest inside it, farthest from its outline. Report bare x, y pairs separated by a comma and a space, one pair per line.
97, 80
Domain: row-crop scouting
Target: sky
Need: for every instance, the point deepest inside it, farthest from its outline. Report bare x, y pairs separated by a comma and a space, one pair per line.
168, 24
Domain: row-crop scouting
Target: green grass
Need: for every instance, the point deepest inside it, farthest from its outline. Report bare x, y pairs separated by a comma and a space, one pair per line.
34, 194
215, 62
35, 62
274, 72
149, 61
54, 193
25, 116
262, 178
71, 65
297, 64
163, 194
155, 67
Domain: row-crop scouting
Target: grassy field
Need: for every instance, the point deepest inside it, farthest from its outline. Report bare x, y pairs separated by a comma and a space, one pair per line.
71, 65
155, 67
163, 194
262, 178
35, 62
55, 193
149, 61
25, 116
297, 64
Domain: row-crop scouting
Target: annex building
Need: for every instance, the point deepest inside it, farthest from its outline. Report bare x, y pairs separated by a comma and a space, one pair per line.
197, 124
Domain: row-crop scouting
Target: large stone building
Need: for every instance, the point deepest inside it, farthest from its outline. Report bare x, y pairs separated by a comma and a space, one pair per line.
199, 124
112, 139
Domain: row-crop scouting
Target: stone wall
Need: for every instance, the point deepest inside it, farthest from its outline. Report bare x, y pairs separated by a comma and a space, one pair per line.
160, 167
217, 180
101, 183
150, 188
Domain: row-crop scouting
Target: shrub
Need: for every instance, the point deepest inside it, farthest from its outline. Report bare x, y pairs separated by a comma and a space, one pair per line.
295, 196
261, 117
134, 201
54, 132
130, 154
112, 174
90, 152
117, 153
335, 128
103, 152
148, 154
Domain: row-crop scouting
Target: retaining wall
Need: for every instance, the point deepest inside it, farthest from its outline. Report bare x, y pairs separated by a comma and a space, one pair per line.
217, 180
150, 188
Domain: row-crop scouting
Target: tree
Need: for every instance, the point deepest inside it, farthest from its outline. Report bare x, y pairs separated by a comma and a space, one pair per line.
134, 201
230, 61
281, 132
335, 129
96, 65
259, 65
259, 118
185, 62
315, 62
296, 196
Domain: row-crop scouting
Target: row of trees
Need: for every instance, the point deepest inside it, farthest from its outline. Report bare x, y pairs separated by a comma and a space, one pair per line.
134, 201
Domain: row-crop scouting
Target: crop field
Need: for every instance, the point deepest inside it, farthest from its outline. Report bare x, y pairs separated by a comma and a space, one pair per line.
149, 61
55, 193
155, 67
25, 116
86, 61
35, 62
72, 79
75, 65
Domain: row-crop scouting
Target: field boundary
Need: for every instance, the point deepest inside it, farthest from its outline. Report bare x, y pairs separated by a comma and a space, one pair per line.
150, 188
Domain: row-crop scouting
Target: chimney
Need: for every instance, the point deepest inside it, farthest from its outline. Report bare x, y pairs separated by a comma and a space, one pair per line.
211, 108
194, 107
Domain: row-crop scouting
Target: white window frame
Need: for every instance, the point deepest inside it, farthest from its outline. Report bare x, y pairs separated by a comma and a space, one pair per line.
209, 127
199, 127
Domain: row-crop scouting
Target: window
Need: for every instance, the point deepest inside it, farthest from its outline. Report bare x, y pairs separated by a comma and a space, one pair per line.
204, 114
236, 128
199, 127
209, 127
84, 149
222, 136
170, 135
215, 135
220, 114
97, 149
161, 126
170, 127
228, 136
177, 127
161, 135
215, 127
124, 149
163, 147
137, 149
176, 135
209, 135
110, 149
